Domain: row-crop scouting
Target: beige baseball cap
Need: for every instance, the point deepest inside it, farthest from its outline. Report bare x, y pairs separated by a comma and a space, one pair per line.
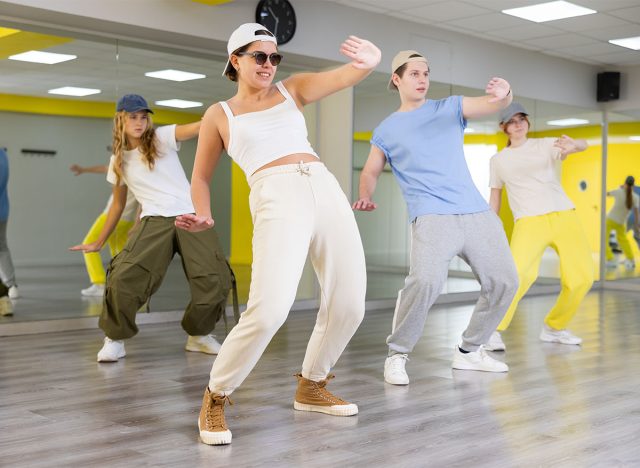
246, 34
402, 57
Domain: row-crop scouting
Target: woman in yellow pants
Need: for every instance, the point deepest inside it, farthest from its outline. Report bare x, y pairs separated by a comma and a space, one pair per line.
625, 200
116, 241
544, 217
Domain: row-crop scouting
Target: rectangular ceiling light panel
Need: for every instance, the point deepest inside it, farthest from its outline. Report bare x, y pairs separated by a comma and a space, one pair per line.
175, 75
549, 11
36, 56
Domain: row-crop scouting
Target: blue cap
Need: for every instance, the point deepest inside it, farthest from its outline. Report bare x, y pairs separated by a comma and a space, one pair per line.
132, 103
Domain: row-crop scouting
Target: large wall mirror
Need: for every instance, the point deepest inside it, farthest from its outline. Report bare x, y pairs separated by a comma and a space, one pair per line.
55, 115
385, 232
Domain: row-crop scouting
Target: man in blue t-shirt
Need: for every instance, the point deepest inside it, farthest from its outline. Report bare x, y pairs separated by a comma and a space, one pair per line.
7, 275
423, 144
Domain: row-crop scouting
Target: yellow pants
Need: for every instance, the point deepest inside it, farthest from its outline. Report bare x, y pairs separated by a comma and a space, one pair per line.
560, 230
623, 241
116, 242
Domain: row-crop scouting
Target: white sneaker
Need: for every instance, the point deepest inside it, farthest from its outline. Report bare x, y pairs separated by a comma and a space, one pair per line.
111, 351
612, 264
495, 343
394, 372
628, 264
95, 290
477, 360
13, 292
203, 344
550, 335
6, 307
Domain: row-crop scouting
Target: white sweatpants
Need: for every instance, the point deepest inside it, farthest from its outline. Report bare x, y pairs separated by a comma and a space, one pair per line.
297, 209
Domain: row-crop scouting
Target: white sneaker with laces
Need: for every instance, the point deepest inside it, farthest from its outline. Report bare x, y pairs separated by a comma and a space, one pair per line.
111, 351
550, 335
13, 292
495, 343
203, 344
6, 307
477, 360
628, 264
95, 290
394, 372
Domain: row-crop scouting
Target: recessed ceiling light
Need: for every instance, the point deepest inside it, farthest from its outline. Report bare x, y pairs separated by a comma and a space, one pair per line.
36, 56
567, 122
469, 130
175, 75
179, 103
634, 138
549, 11
628, 42
73, 91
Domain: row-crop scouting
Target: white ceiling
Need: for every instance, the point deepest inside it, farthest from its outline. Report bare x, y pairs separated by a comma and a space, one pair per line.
117, 69
582, 39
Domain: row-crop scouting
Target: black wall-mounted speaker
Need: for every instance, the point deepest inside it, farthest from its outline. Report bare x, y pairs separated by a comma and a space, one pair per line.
608, 86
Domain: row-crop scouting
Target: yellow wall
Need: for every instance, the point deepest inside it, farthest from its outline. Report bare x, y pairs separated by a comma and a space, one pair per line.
241, 225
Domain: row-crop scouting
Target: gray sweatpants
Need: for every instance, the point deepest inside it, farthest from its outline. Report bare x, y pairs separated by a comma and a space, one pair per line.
477, 238
7, 272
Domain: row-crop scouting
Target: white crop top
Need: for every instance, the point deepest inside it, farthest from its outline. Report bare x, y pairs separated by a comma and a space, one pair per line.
258, 138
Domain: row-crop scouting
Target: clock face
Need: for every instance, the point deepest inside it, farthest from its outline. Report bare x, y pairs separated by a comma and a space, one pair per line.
278, 17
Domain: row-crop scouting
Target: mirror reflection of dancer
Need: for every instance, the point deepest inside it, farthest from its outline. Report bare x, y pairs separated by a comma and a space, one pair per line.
7, 270
145, 161
116, 240
625, 202
544, 217
298, 209
423, 144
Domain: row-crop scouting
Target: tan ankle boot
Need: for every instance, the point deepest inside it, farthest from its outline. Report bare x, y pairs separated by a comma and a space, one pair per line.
211, 423
313, 396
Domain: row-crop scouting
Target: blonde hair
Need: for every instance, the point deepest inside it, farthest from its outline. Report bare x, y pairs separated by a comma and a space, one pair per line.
120, 143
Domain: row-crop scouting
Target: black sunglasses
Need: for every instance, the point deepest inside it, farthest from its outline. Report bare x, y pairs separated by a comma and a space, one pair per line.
261, 57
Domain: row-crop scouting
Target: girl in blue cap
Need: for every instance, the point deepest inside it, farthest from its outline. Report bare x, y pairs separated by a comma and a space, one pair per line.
298, 209
145, 161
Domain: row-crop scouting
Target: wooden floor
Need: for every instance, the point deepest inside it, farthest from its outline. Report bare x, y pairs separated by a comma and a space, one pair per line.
558, 406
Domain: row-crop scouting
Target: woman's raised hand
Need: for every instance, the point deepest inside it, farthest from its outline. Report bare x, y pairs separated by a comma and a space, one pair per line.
193, 223
364, 54
498, 88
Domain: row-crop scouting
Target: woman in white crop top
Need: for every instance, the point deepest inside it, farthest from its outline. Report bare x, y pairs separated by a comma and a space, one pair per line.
544, 217
298, 209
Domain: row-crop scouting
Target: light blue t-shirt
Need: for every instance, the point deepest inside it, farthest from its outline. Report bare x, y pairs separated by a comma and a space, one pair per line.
4, 181
424, 148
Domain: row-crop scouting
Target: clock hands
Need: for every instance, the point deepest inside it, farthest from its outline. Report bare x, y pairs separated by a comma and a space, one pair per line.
275, 28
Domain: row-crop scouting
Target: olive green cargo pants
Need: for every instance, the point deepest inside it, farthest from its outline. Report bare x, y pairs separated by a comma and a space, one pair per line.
137, 272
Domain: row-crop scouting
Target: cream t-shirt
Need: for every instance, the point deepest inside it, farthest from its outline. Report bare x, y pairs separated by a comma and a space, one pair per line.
530, 173
163, 190
619, 213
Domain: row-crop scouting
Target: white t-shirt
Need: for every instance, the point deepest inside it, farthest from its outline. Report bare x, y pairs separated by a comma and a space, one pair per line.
619, 213
163, 190
130, 207
531, 175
